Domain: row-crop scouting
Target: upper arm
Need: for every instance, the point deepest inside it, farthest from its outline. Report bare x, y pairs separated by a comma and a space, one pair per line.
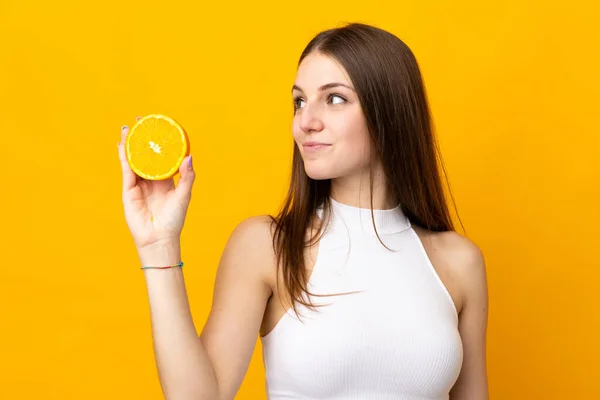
469, 269
240, 296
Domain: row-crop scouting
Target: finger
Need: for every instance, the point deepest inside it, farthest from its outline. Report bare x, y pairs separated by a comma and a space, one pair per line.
124, 133
186, 180
129, 177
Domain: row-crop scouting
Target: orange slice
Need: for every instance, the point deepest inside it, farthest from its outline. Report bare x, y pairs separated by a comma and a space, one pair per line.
156, 146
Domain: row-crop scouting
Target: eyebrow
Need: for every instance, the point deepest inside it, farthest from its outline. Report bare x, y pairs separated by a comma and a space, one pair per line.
325, 87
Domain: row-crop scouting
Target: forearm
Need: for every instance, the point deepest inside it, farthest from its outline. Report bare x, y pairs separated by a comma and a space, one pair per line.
184, 368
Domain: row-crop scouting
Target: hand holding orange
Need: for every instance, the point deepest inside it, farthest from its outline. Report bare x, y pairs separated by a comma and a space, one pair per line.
152, 152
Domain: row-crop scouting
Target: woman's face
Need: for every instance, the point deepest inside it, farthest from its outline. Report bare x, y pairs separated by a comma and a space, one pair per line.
329, 127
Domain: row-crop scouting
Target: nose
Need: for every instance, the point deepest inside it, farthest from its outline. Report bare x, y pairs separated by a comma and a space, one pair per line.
310, 120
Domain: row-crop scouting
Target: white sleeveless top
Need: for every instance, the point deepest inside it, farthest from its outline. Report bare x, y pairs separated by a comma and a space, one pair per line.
395, 337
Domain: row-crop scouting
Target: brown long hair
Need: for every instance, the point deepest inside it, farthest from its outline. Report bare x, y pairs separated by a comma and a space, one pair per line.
390, 89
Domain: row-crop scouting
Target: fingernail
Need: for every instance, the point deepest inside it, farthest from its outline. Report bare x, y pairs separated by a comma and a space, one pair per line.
124, 127
190, 162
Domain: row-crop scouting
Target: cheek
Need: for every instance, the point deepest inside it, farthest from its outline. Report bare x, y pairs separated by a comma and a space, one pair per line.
356, 141
357, 151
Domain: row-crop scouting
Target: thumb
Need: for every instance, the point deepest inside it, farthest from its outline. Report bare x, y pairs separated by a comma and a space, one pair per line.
186, 180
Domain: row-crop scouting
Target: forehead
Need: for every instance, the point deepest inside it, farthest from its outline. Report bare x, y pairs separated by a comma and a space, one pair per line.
318, 69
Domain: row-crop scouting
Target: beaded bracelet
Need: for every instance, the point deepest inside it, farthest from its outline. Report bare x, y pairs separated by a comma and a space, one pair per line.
165, 267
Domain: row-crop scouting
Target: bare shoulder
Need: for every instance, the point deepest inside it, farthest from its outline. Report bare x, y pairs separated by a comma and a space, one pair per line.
252, 229
464, 254
251, 243
459, 262
459, 252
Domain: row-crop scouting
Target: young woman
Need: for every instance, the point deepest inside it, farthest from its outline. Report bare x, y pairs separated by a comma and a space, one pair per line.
360, 288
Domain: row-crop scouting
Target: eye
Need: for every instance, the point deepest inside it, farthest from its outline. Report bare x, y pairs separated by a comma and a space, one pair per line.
298, 103
335, 99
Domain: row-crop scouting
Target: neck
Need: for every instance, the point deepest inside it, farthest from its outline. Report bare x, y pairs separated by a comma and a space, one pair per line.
355, 191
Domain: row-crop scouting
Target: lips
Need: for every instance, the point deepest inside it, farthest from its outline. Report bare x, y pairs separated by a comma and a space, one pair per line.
312, 147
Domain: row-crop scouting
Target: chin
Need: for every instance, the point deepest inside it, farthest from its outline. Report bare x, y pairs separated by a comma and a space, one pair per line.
318, 177
318, 174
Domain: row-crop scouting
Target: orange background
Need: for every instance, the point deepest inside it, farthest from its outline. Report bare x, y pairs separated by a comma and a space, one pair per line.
514, 89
